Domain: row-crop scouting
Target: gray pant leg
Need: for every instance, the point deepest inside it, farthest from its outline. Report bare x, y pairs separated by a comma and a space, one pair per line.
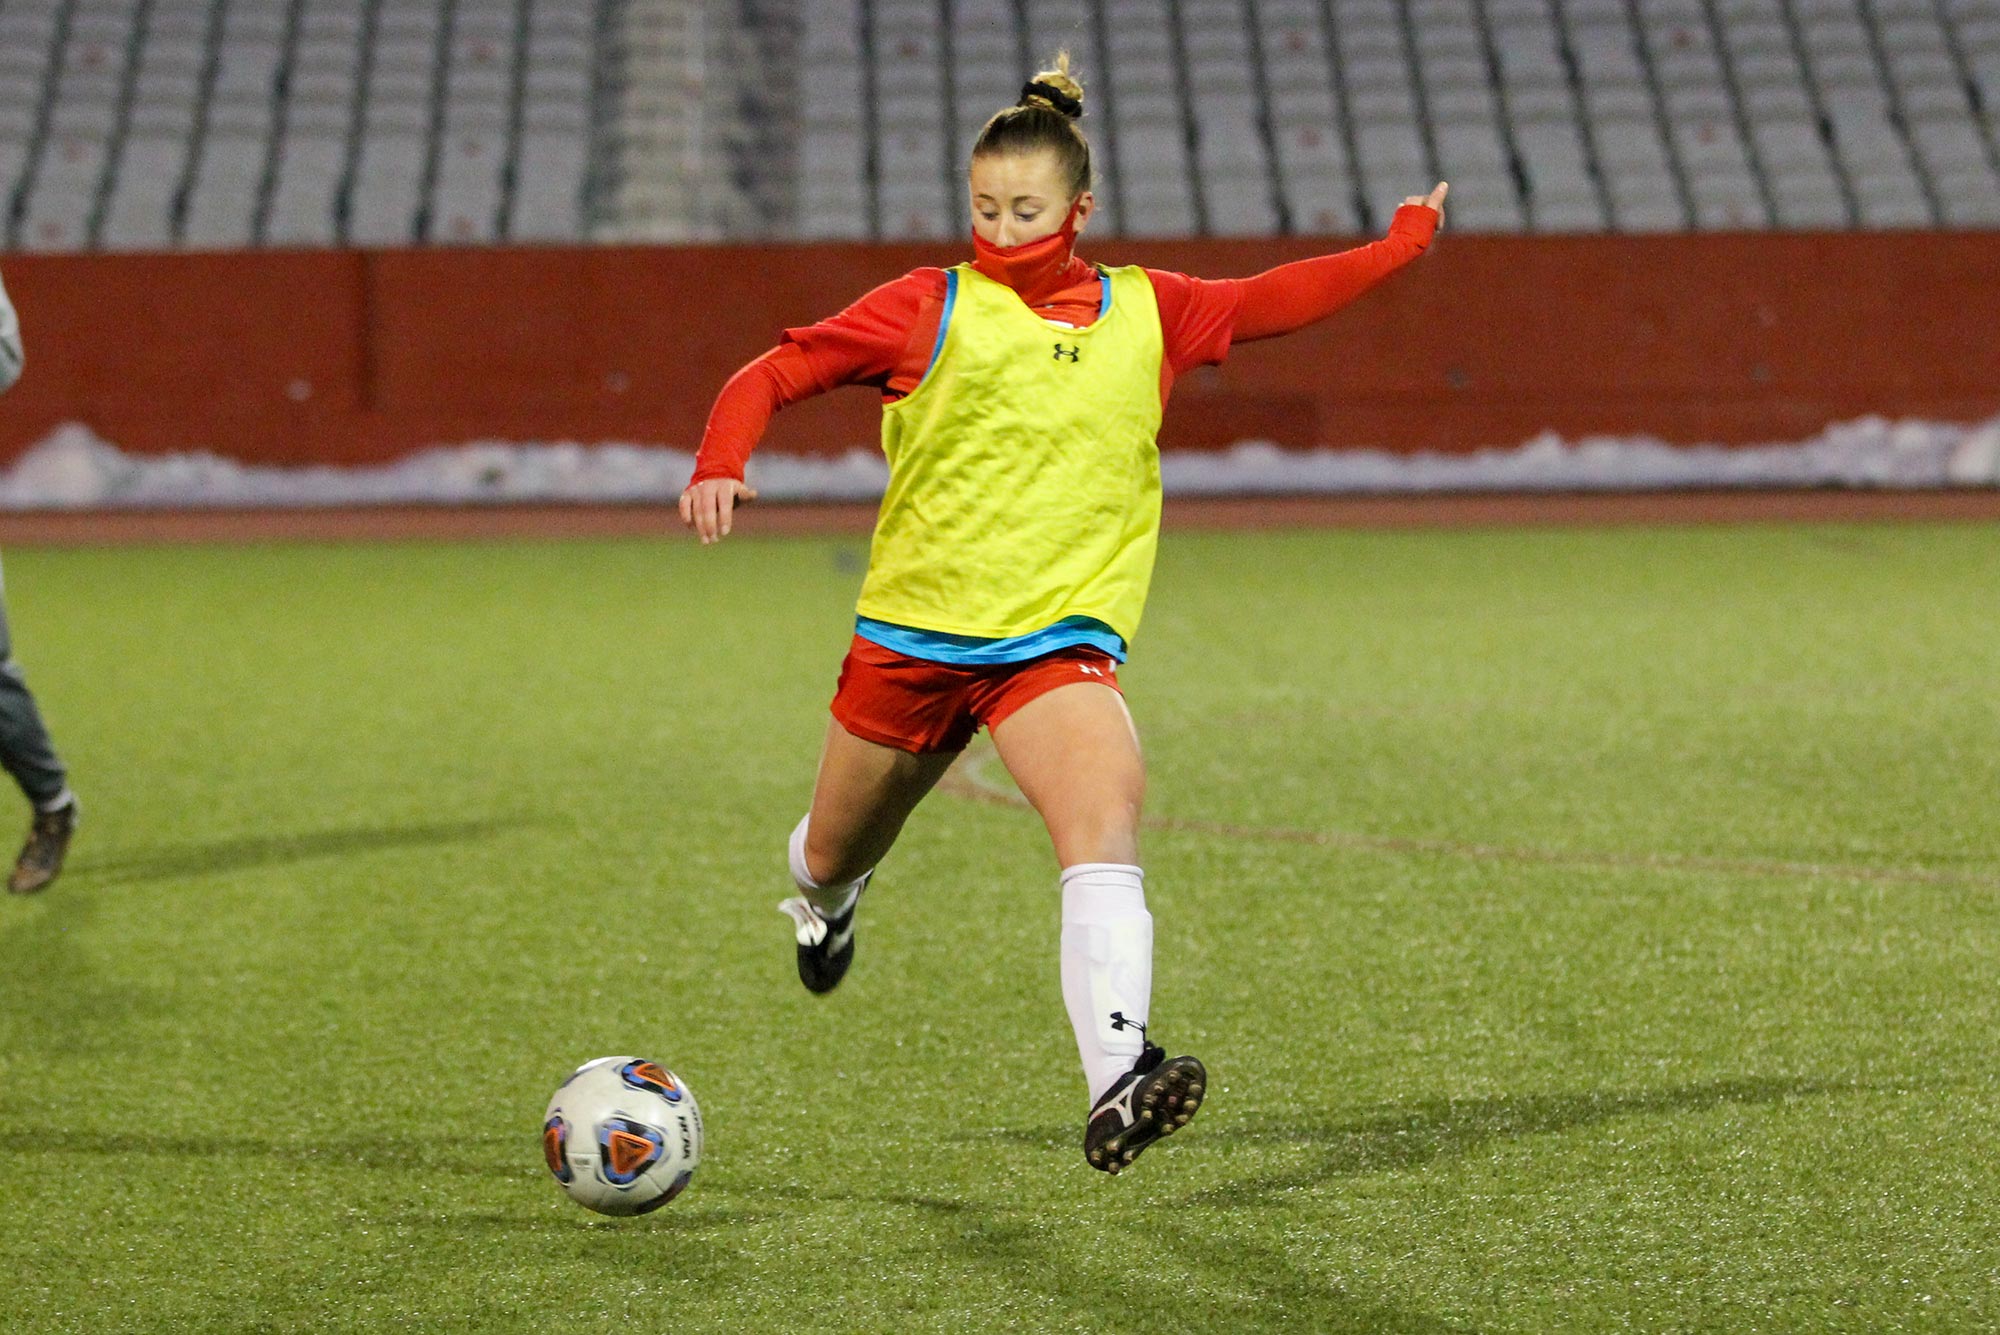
25, 749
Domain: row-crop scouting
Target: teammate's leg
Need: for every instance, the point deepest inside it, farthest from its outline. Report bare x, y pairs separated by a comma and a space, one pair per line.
25, 749
30, 758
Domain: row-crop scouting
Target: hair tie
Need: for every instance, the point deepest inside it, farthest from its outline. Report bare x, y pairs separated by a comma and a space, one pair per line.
1054, 96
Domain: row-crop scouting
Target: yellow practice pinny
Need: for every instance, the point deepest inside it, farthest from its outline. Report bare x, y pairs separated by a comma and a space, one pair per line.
1024, 471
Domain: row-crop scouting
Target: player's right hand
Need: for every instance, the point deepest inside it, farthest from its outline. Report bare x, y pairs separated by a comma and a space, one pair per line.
709, 507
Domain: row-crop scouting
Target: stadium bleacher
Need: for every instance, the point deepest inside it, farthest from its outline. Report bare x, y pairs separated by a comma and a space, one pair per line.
1255, 117
149, 124
141, 124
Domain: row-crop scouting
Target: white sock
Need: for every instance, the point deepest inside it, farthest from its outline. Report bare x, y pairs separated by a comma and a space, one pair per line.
58, 802
1107, 966
802, 876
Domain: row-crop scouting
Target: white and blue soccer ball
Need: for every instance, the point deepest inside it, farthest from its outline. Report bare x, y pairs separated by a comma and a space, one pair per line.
622, 1135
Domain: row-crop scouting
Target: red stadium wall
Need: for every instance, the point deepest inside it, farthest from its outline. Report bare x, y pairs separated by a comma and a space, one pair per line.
354, 357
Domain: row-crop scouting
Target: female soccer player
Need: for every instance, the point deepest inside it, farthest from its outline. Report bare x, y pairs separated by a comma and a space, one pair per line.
1022, 397
25, 750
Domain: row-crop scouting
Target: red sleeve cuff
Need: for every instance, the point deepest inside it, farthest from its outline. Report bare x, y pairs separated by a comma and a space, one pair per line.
1417, 223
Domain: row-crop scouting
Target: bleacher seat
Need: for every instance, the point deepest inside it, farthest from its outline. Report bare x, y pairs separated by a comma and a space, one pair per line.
295, 122
160, 123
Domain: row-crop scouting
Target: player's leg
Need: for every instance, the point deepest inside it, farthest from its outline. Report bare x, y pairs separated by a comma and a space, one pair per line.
1075, 754
898, 722
30, 758
864, 793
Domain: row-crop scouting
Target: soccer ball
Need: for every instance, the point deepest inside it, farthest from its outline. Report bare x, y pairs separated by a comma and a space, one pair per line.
622, 1135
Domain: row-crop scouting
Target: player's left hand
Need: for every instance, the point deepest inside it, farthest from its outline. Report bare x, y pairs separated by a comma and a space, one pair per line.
1434, 201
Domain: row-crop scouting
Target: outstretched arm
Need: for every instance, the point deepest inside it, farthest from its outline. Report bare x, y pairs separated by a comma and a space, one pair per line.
1293, 296
11, 356
1203, 317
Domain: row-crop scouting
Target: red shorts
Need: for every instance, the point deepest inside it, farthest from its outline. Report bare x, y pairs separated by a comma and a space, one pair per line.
919, 706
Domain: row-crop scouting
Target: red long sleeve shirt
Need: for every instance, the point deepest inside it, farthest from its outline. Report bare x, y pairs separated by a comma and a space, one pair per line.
887, 337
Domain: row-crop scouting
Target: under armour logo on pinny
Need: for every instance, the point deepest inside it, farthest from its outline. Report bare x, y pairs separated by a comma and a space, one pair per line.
1064, 354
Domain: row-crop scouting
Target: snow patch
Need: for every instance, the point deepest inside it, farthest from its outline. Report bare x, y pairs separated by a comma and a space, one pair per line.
76, 469
1872, 452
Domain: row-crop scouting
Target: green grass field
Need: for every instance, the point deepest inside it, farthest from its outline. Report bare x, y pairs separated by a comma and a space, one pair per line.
1585, 930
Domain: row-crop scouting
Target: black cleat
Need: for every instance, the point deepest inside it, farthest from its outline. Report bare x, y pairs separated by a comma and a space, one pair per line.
1157, 1098
41, 857
826, 945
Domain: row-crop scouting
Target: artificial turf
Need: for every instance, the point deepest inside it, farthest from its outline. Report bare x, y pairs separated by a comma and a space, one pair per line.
1585, 930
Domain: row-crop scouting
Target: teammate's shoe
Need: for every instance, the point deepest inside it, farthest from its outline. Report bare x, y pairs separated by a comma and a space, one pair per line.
41, 857
826, 944
1156, 1098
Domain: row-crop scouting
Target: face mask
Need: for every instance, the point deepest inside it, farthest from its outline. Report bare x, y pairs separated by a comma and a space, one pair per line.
1034, 268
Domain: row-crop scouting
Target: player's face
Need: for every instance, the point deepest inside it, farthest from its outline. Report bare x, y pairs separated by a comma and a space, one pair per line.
1021, 197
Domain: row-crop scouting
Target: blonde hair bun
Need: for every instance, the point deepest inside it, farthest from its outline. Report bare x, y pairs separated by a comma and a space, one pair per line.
1045, 120
1057, 89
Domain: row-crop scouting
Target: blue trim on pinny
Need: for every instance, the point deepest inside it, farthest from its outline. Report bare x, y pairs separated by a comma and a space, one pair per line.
935, 646
944, 319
